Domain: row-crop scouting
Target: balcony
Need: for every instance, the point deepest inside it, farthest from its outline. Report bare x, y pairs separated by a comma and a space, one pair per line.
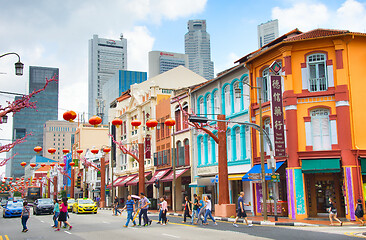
318, 84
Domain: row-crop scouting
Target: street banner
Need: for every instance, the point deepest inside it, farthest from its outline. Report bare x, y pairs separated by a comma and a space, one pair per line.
277, 116
147, 148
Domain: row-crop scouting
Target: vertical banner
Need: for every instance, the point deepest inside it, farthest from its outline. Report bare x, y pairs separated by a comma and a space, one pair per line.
147, 147
277, 116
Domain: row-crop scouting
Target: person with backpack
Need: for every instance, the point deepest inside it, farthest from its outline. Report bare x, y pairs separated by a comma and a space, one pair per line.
359, 212
25, 216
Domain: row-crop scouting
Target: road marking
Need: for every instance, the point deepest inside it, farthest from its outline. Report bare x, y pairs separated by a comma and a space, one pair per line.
6, 237
1, 238
354, 234
68, 232
41, 221
168, 235
106, 222
181, 224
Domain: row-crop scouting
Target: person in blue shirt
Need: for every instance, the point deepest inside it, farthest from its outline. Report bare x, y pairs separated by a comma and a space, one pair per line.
130, 206
56, 212
241, 211
201, 210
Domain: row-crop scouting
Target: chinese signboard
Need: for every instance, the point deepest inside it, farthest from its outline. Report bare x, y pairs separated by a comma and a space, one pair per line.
277, 116
147, 147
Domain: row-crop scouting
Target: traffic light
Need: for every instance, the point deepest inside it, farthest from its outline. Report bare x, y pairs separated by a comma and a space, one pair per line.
157, 183
78, 182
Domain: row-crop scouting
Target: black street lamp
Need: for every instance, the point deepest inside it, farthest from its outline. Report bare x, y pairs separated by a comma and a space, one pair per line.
18, 65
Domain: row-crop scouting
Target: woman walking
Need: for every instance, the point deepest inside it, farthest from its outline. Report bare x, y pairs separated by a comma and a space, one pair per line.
164, 210
56, 212
208, 207
333, 212
63, 215
25, 216
187, 209
202, 210
359, 212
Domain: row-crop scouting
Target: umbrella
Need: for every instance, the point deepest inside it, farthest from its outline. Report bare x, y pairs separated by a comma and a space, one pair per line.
135, 196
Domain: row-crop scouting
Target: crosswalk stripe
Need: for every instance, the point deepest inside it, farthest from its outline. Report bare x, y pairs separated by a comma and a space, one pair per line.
6, 236
1, 238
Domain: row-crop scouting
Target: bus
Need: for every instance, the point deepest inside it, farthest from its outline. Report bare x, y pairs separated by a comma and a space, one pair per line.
33, 193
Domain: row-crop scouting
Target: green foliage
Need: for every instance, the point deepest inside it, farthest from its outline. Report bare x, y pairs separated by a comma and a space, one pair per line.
17, 194
63, 193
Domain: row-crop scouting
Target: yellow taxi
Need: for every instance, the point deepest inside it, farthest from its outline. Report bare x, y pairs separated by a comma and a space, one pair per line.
70, 203
84, 205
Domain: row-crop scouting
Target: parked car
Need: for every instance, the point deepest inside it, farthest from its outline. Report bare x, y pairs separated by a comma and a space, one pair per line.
43, 205
12, 209
70, 203
85, 205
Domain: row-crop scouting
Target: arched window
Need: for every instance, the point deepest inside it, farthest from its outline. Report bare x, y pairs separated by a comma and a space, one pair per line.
227, 100
267, 127
317, 72
216, 104
185, 115
180, 154
216, 159
200, 152
186, 152
202, 143
238, 143
237, 100
265, 85
178, 118
209, 106
228, 143
202, 106
209, 150
320, 129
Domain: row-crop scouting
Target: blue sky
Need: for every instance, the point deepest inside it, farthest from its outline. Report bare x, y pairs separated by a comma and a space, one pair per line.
56, 33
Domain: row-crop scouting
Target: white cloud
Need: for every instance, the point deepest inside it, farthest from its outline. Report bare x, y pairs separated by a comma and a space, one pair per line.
350, 15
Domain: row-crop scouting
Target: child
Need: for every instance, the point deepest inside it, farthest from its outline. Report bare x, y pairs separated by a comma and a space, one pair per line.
25, 216
359, 212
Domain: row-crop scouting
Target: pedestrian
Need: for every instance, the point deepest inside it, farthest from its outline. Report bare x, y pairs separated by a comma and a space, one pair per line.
63, 214
333, 212
196, 207
144, 205
25, 216
98, 198
56, 212
208, 213
241, 211
187, 209
202, 210
130, 207
160, 211
115, 206
164, 207
359, 212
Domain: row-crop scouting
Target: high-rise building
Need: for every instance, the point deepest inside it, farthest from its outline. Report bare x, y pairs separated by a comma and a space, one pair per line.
106, 57
160, 62
116, 85
31, 120
197, 46
58, 135
267, 32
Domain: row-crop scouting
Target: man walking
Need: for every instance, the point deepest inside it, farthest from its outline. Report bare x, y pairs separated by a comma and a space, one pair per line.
144, 205
196, 208
130, 206
241, 212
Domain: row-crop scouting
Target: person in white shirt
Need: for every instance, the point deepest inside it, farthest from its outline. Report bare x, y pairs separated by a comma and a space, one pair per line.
208, 211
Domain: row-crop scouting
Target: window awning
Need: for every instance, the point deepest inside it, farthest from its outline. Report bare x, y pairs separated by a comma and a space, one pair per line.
256, 169
233, 177
126, 180
205, 181
327, 165
178, 173
159, 174
116, 181
137, 179
363, 166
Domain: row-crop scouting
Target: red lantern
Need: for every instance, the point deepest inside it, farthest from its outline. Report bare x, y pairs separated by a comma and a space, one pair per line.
69, 116
106, 150
23, 164
72, 164
169, 122
62, 164
52, 150
11, 179
94, 151
136, 123
151, 123
43, 164
40, 178
5, 178
80, 151
17, 179
2, 185
95, 121
65, 151
37, 149
52, 164
117, 122
32, 165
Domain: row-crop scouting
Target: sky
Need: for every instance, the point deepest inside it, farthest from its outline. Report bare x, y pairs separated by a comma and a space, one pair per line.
55, 33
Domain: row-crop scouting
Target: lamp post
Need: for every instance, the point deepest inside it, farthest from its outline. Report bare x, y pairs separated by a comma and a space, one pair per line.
18, 65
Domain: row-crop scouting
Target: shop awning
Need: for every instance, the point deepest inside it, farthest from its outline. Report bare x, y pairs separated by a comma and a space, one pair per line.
178, 173
194, 184
159, 174
205, 181
256, 169
116, 181
363, 166
136, 180
233, 177
328, 165
126, 180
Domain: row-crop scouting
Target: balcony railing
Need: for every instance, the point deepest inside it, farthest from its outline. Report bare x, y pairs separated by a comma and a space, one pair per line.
318, 84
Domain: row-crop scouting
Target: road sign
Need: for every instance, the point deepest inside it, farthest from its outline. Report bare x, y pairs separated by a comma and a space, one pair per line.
275, 178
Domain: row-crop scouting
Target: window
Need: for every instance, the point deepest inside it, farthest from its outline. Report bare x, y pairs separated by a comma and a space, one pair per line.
216, 104
202, 107
237, 100
209, 105
185, 116
216, 150
228, 144
267, 128
237, 142
317, 72
227, 100
202, 150
320, 129
178, 118
209, 150
265, 85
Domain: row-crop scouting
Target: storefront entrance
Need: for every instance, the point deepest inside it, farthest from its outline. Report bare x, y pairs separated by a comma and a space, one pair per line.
320, 187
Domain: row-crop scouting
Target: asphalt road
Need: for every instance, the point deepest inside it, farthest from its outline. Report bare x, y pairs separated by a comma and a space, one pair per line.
105, 226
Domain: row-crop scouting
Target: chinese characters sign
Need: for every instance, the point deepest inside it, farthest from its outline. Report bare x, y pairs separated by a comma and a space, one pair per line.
277, 116
147, 147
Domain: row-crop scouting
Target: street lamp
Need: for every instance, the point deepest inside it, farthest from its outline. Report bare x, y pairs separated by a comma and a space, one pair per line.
18, 65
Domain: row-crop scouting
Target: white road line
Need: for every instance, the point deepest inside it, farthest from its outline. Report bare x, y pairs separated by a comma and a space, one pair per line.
68, 232
105, 222
41, 221
168, 235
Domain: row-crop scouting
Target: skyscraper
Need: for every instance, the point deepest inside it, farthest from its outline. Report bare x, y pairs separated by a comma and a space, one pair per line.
106, 57
267, 32
197, 46
160, 62
32, 120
